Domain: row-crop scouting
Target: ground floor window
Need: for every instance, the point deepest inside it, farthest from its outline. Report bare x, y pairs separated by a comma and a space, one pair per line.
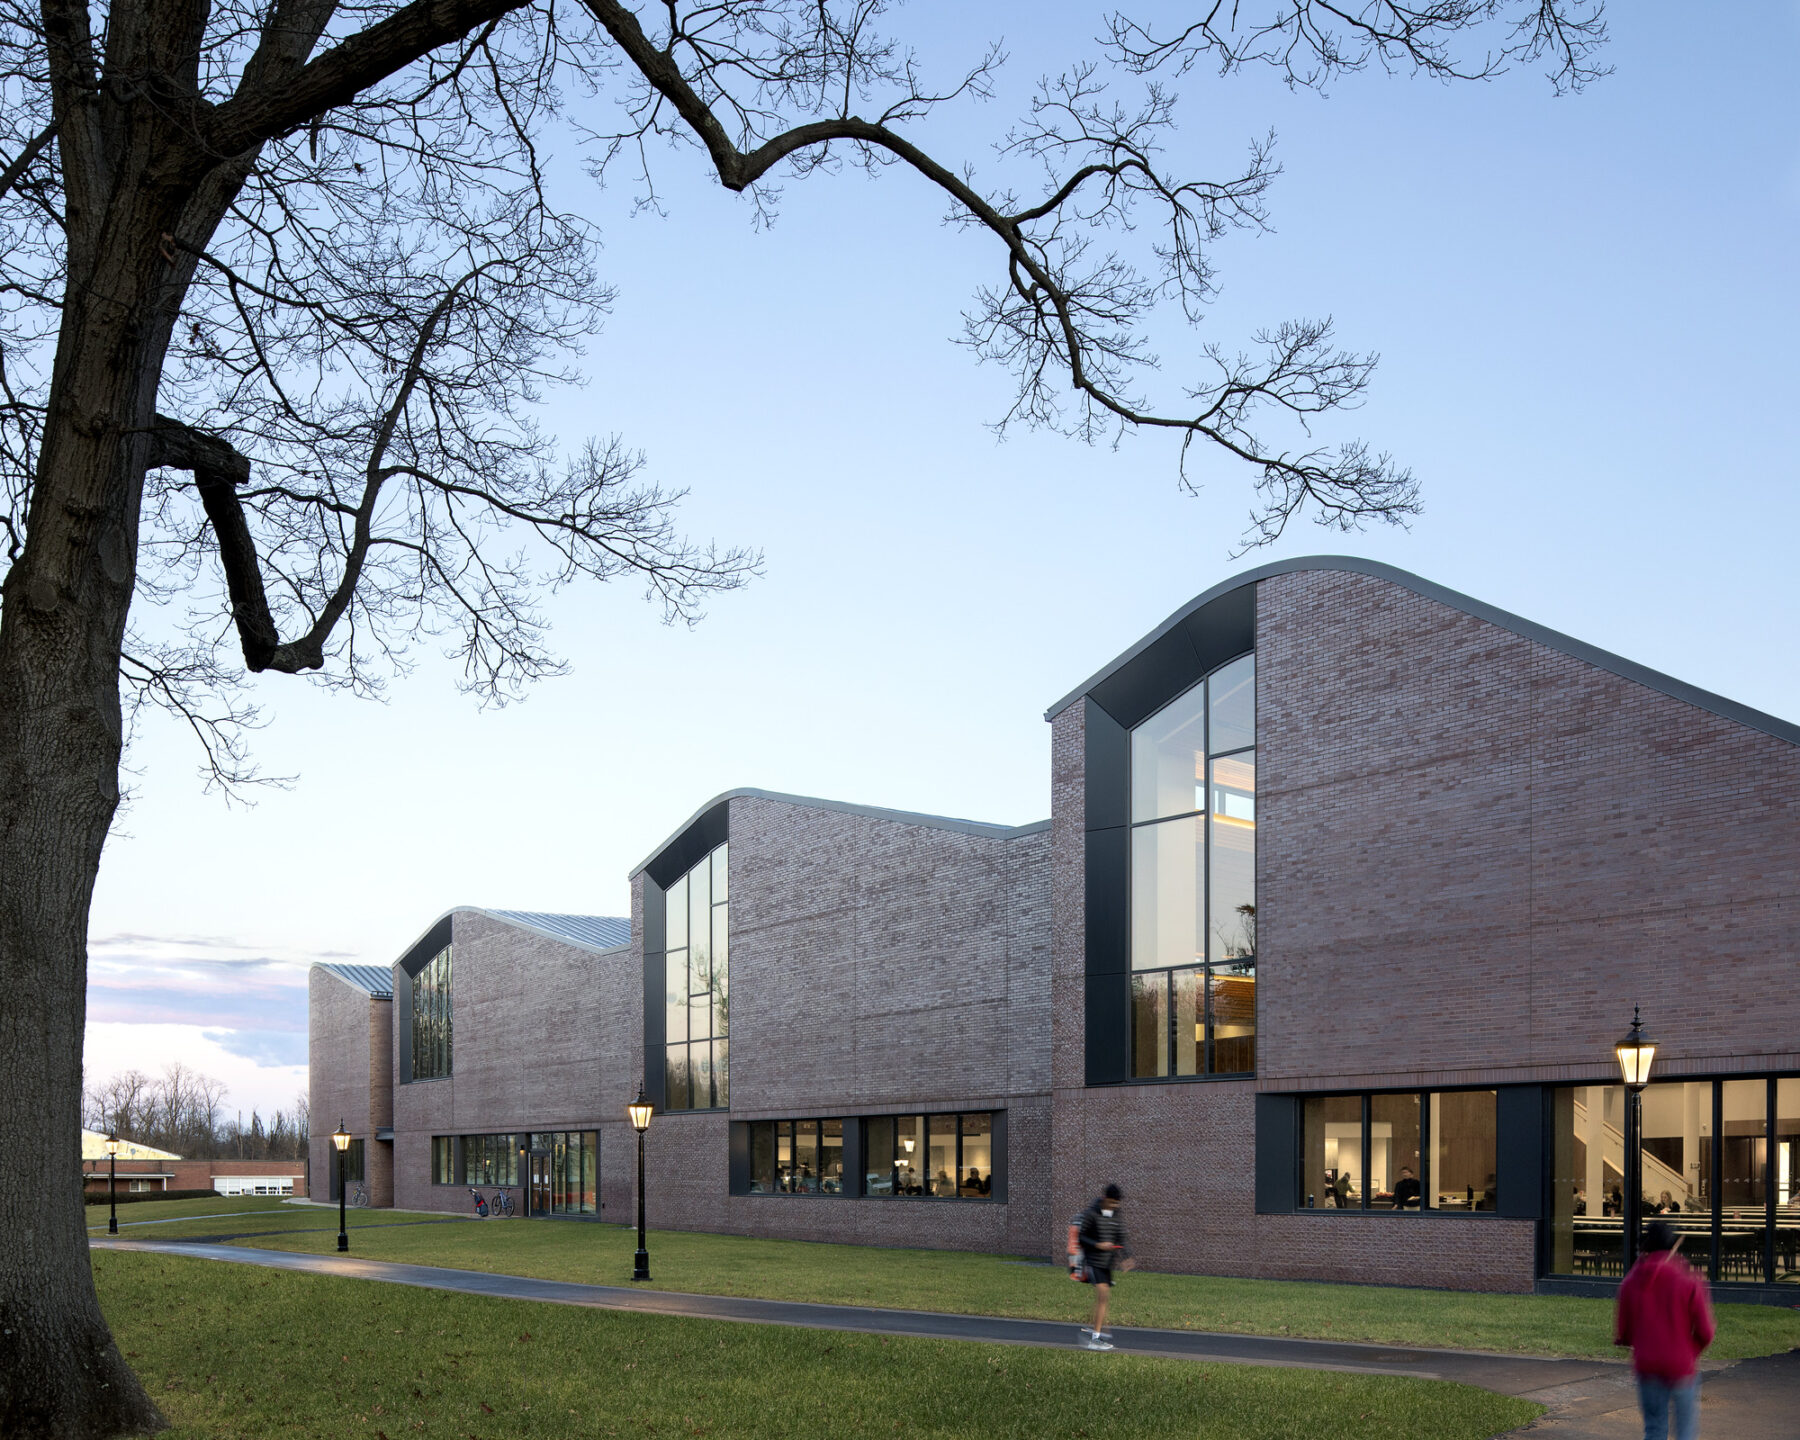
1411, 1150
565, 1170
797, 1157
878, 1157
443, 1159
1719, 1160
941, 1156
489, 1160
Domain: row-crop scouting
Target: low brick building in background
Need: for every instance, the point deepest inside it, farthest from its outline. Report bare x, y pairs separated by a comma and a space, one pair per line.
1349, 886
140, 1169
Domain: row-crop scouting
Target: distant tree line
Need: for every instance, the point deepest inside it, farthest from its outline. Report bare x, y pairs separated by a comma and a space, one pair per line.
183, 1111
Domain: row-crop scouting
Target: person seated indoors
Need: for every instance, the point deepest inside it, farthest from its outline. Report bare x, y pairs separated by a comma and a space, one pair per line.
1580, 1207
1406, 1190
972, 1184
1666, 1204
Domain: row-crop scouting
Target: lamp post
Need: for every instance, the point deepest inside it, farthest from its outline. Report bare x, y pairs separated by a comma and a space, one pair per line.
1635, 1051
341, 1138
112, 1183
639, 1111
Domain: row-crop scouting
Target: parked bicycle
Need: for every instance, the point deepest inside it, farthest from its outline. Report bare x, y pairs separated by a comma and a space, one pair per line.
502, 1203
359, 1199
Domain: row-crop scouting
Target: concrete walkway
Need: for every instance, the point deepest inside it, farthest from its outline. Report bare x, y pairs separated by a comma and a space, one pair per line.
1523, 1375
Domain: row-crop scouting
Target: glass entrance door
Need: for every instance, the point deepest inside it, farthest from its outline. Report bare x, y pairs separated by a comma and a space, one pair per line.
565, 1172
541, 1166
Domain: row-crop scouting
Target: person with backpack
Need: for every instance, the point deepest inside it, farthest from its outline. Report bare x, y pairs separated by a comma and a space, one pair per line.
1665, 1317
1100, 1237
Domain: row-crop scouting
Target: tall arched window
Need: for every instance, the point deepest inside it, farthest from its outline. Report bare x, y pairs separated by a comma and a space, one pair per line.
1193, 880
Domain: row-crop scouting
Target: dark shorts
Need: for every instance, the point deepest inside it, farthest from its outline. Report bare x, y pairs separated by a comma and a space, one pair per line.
1102, 1274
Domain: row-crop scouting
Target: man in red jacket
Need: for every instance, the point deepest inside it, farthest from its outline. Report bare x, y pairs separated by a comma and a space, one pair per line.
1666, 1319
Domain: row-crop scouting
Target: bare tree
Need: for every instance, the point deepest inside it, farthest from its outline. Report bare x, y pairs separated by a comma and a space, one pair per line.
281, 282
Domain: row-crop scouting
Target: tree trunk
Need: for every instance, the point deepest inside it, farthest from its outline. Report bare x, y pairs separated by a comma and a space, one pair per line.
62, 623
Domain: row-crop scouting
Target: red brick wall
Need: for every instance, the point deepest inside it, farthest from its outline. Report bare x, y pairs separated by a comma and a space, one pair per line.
543, 1042
344, 1082
1475, 852
876, 966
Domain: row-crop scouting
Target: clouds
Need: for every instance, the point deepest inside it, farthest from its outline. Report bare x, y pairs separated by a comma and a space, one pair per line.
250, 1084
212, 981
273, 1048
234, 1009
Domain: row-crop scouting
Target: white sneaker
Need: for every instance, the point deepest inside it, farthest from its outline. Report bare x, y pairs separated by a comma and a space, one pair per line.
1098, 1342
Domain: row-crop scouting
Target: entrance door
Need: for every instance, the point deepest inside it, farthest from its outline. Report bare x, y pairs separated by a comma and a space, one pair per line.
542, 1165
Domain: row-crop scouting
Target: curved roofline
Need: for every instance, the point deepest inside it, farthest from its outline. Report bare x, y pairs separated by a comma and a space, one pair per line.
1719, 705
981, 828
516, 924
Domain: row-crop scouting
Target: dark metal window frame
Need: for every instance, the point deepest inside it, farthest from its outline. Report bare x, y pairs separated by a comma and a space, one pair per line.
1186, 653
1203, 966
850, 1152
1367, 1097
438, 938
1715, 1178
708, 831
926, 1117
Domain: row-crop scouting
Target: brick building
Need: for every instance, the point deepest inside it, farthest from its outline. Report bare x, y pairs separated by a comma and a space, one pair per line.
1349, 886
141, 1169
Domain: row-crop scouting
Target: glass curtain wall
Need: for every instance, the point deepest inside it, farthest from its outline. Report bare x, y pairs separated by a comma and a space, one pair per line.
697, 987
431, 1021
1716, 1162
1193, 881
1409, 1151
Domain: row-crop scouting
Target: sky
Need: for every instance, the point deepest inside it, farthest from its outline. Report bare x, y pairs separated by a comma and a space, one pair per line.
1585, 308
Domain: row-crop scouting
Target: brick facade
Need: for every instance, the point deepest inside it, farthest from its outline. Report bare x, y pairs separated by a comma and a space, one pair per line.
349, 1032
877, 967
1478, 844
1475, 852
544, 1040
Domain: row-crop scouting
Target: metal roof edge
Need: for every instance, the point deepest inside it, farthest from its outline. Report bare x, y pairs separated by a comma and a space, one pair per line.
335, 969
980, 828
547, 933
1719, 705
503, 920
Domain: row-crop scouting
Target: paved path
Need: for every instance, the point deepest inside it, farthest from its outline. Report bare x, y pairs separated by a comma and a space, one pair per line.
1523, 1375
1751, 1400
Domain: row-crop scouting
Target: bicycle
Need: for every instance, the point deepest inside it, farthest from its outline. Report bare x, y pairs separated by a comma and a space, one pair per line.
359, 1199
502, 1203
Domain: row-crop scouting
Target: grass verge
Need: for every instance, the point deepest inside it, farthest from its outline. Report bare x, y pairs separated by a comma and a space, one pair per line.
995, 1285
230, 1351
250, 1219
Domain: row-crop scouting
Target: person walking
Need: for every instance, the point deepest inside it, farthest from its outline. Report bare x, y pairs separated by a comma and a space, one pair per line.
1665, 1317
1104, 1256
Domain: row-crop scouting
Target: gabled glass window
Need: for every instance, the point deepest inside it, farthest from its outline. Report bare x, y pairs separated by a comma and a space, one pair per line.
697, 987
1193, 881
431, 1019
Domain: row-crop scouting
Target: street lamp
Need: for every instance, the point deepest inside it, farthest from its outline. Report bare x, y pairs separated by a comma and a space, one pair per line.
1635, 1051
112, 1183
341, 1138
639, 1111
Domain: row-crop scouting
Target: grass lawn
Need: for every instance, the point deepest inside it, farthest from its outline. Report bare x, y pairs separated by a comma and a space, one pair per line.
252, 1218
995, 1285
230, 1351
